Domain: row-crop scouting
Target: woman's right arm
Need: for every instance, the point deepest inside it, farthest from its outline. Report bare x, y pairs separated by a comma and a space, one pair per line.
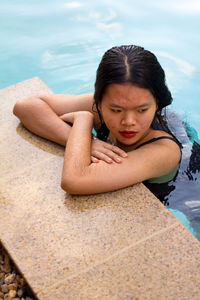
41, 114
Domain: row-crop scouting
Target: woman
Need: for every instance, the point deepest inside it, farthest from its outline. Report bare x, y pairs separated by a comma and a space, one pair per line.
130, 93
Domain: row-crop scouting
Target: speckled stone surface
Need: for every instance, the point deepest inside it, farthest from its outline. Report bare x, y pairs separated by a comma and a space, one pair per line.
163, 266
119, 245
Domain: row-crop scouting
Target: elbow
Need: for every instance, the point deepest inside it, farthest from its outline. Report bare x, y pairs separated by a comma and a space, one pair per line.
17, 108
70, 186
64, 185
24, 107
20, 107
74, 185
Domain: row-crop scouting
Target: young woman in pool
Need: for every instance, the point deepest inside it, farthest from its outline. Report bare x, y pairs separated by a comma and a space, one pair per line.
130, 93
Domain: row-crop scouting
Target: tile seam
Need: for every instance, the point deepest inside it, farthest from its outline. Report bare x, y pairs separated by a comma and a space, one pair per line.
176, 224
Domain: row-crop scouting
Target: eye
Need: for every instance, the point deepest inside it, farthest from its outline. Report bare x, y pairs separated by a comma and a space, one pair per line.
115, 110
142, 110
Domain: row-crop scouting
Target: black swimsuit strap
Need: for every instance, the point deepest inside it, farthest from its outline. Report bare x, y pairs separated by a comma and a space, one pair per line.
159, 138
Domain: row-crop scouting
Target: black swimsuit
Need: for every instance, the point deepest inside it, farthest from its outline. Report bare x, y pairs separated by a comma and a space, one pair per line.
160, 138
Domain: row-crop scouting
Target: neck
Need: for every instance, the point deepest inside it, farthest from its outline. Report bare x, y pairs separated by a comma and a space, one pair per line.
126, 148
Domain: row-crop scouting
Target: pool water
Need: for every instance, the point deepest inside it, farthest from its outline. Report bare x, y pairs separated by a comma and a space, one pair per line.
62, 43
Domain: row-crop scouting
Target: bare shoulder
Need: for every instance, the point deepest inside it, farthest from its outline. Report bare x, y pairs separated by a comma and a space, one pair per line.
159, 156
167, 141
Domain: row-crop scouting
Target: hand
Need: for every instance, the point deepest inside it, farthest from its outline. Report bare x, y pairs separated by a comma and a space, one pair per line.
103, 151
70, 117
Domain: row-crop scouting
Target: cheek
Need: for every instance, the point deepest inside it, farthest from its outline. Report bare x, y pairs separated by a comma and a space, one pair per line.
108, 119
111, 123
146, 122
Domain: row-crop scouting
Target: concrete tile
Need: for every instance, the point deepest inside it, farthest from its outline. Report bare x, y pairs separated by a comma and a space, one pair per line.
51, 235
165, 266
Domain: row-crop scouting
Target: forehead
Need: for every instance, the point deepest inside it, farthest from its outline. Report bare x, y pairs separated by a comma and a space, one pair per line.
127, 94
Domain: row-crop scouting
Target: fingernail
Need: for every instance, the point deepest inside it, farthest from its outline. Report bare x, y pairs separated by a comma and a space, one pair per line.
124, 154
118, 159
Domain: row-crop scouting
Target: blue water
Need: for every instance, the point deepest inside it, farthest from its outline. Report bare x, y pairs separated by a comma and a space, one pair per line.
63, 41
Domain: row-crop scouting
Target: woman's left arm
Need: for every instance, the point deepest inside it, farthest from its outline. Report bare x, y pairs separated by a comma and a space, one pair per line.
77, 155
81, 176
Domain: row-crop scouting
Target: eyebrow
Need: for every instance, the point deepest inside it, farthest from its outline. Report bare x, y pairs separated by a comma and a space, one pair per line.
115, 105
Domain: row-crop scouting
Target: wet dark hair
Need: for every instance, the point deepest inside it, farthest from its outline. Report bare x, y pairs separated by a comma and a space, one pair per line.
135, 65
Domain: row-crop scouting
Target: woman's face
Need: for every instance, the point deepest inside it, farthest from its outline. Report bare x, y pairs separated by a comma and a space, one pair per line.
128, 112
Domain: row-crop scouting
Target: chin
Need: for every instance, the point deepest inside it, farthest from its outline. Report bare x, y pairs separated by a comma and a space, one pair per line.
126, 142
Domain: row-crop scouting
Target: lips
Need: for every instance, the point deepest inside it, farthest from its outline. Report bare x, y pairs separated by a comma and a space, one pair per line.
128, 134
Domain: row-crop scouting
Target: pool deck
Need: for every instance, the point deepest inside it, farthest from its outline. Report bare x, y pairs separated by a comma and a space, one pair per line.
118, 245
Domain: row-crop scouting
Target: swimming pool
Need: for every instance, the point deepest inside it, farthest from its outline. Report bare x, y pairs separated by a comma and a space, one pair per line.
63, 41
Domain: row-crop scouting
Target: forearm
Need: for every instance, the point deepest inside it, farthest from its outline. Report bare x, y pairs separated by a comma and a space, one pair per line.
40, 119
77, 156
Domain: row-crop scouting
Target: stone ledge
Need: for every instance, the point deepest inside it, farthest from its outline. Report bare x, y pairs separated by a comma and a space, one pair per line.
53, 237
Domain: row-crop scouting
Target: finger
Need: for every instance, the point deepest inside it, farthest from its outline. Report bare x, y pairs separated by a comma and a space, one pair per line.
102, 156
94, 159
113, 155
68, 117
117, 150
63, 117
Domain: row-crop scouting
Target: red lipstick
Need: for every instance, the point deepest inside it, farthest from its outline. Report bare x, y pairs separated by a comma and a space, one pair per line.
128, 134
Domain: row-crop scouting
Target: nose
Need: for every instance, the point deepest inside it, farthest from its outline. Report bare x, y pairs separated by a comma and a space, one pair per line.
128, 119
